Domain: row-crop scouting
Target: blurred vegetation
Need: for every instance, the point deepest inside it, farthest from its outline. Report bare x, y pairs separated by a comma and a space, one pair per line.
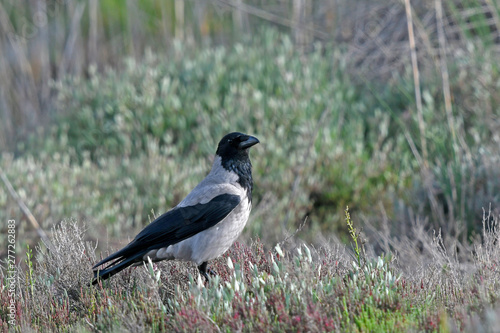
111, 111
301, 289
128, 135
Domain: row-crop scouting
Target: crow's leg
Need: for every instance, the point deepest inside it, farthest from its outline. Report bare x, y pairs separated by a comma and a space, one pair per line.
204, 270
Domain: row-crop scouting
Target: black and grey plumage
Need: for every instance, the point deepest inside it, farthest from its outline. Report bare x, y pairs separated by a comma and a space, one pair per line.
202, 226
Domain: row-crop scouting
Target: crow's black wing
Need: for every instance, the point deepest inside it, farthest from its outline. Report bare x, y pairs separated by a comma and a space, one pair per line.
172, 227
183, 222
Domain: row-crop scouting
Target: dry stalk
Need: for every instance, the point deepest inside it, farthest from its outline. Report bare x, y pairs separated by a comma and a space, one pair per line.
416, 81
424, 165
25, 210
70, 49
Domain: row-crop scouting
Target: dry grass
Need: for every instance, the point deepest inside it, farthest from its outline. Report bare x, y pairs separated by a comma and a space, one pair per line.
429, 282
340, 129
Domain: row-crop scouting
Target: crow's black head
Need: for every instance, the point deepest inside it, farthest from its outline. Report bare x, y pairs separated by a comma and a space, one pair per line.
233, 151
235, 145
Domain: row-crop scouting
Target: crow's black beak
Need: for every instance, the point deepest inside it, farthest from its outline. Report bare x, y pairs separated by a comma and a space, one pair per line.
249, 142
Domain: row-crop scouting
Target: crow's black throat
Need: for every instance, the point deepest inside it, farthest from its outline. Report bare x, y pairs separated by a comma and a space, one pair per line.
243, 168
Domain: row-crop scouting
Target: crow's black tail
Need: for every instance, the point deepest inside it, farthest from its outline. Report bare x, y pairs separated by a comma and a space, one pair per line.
115, 267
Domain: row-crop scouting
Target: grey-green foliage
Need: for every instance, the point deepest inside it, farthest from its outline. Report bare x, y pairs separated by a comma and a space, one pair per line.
186, 100
139, 137
163, 115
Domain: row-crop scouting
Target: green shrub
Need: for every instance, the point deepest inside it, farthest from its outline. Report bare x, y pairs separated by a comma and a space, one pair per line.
297, 289
317, 133
131, 140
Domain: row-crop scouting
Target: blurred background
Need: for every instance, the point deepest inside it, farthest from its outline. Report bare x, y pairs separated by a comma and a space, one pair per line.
110, 112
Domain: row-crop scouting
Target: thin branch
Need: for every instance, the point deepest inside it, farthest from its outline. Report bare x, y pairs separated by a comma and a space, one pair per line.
69, 48
424, 165
416, 82
25, 210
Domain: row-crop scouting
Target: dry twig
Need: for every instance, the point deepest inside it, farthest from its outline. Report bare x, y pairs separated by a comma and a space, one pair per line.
25, 210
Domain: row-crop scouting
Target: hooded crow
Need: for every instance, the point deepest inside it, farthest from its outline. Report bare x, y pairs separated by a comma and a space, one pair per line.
202, 226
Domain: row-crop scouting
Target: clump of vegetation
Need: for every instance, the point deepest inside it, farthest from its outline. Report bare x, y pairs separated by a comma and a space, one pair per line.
300, 288
351, 124
327, 142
